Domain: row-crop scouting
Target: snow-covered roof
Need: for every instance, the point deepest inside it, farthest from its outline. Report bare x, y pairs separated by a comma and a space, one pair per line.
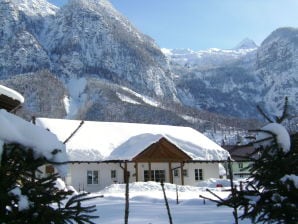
14, 129
11, 93
112, 140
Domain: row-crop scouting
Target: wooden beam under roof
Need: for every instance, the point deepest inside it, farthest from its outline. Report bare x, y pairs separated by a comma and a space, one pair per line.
8, 103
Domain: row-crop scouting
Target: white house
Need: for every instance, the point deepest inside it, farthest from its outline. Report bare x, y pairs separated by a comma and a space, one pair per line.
102, 153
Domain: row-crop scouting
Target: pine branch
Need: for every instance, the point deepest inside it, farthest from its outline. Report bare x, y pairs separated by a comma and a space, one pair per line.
210, 199
74, 210
264, 114
215, 195
285, 112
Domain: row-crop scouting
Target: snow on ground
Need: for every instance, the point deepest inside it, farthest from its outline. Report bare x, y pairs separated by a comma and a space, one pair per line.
76, 97
145, 99
147, 204
127, 99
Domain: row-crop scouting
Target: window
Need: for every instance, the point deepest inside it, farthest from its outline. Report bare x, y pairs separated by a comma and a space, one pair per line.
50, 169
159, 176
185, 173
176, 172
156, 175
198, 174
113, 174
146, 175
92, 177
240, 165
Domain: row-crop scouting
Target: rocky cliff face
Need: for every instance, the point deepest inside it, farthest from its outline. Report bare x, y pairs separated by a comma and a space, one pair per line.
44, 94
84, 38
90, 38
277, 69
21, 50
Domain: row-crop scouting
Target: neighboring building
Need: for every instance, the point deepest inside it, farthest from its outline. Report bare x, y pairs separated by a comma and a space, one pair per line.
240, 159
10, 99
101, 153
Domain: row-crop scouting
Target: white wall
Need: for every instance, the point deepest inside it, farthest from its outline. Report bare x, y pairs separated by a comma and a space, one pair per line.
78, 173
210, 170
240, 171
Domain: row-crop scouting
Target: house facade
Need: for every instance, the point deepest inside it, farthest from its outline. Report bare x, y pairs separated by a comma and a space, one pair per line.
104, 153
240, 160
95, 176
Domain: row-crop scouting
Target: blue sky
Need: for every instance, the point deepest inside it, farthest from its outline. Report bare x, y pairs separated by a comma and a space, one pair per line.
203, 24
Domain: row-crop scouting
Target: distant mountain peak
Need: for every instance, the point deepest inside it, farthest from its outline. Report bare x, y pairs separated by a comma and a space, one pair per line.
246, 44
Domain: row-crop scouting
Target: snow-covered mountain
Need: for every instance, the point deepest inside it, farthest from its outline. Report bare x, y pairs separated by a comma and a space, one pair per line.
83, 38
277, 69
90, 38
233, 82
205, 59
246, 44
87, 61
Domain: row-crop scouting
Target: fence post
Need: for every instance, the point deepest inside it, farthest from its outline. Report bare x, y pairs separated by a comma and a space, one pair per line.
166, 202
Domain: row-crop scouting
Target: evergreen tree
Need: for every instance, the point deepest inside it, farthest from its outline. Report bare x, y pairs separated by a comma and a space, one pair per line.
27, 197
271, 194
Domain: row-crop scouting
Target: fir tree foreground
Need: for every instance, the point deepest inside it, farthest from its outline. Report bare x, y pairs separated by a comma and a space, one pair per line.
271, 192
27, 197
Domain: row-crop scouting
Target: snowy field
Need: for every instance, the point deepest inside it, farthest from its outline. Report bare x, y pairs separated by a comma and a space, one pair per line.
147, 205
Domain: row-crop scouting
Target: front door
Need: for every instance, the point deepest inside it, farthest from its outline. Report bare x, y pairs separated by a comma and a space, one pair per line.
156, 175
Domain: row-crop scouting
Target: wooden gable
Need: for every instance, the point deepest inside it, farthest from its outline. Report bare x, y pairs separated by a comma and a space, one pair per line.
162, 151
8, 103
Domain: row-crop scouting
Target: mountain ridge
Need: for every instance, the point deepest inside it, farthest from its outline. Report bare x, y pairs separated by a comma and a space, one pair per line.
263, 75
